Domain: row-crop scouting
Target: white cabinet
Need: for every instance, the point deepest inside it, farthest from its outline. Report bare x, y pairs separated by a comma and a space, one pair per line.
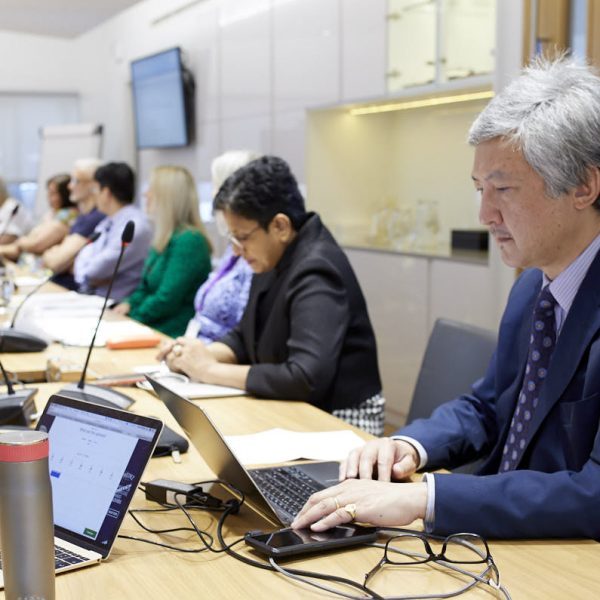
462, 292
437, 41
306, 53
363, 48
396, 289
405, 295
412, 34
245, 58
289, 133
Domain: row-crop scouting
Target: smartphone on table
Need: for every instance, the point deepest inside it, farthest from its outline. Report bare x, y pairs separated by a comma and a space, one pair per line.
293, 542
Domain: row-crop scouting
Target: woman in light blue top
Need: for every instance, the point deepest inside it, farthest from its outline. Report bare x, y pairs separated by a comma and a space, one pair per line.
221, 300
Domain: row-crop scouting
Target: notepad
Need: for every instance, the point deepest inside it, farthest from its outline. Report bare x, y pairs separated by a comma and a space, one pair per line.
181, 385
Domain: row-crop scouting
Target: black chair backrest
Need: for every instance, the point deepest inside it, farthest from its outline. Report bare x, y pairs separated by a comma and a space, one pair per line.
456, 356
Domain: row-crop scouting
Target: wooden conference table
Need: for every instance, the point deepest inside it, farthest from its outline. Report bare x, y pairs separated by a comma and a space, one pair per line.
528, 569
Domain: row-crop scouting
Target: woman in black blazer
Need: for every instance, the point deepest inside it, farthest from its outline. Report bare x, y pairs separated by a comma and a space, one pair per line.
305, 334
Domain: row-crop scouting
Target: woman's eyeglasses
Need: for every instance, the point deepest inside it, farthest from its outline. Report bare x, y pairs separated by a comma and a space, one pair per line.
239, 240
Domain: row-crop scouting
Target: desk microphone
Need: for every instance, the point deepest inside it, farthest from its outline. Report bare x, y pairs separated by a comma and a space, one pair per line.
96, 393
13, 340
16, 408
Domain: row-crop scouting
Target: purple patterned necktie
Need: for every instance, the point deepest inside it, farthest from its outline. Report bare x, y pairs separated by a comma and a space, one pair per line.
541, 346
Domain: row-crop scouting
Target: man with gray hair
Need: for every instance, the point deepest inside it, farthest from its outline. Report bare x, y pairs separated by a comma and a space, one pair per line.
534, 418
84, 192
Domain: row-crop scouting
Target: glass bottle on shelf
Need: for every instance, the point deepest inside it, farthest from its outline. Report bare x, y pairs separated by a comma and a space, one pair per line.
427, 225
400, 224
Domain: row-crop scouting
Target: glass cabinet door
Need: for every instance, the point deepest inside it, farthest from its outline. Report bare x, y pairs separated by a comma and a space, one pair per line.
411, 43
433, 41
468, 38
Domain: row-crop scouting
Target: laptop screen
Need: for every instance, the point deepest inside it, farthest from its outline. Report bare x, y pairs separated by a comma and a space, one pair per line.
97, 457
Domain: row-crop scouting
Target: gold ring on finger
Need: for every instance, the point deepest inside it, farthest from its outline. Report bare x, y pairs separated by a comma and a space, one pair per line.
177, 349
337, 504
351, 510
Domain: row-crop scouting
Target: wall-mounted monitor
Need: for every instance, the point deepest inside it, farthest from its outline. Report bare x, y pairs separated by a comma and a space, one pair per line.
163, 100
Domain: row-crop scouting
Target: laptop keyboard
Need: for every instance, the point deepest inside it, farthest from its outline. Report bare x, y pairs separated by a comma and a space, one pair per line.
62, 558
66, 558
288, 488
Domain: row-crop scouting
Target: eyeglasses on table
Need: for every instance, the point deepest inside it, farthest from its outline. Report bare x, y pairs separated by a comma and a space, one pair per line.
415, 548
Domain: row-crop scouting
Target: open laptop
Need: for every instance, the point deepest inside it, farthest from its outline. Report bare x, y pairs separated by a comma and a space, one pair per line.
278, 492
97, 457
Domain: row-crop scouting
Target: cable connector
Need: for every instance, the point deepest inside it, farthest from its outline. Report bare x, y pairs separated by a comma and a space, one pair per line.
164, 491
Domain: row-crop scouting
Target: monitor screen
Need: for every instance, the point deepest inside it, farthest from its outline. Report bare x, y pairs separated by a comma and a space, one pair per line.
161, 99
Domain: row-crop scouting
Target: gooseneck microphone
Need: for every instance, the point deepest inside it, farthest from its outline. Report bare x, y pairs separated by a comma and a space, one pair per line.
95, 393
31, 293
16, 407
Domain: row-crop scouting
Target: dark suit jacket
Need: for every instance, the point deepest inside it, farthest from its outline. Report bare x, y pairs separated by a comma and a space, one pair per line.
306, 331
555, 491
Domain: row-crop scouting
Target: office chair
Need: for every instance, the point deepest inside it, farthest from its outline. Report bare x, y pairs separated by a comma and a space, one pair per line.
456, 356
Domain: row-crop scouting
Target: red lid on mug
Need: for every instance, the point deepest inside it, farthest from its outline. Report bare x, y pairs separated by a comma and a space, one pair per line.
23, 446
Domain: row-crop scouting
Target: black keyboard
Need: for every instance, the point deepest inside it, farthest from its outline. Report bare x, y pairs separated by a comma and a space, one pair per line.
288, 488
65, 558
62, 558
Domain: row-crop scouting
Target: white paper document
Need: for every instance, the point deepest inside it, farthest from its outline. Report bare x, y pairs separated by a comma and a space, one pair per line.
282, 445
71, 318
182, 386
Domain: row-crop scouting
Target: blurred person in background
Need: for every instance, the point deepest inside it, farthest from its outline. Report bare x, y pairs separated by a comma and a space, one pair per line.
55, 223
83, 192
12, 226
179, 258
95, 263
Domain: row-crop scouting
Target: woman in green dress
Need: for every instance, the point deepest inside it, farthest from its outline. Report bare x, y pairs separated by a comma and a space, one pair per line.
179, 259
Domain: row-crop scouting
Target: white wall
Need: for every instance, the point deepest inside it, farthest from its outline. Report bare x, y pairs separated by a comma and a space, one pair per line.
35, 63
257, 63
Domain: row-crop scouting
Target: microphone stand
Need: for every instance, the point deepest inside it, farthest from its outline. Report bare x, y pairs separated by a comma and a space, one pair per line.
95, 393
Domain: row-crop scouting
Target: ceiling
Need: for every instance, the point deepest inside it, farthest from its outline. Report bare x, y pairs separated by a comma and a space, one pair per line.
61, 18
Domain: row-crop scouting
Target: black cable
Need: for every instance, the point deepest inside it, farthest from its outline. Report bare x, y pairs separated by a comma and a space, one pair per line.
230, 507
227, 507
175, 548
157, 531
268, 567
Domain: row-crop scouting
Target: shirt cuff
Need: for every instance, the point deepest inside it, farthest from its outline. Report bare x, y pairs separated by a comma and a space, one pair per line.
417, 446
428, 521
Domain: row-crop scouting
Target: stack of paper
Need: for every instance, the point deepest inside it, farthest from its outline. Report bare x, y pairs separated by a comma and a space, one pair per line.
282, 445
71, 318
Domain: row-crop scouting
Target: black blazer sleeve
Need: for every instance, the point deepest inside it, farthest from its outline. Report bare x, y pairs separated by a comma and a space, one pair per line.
318, 320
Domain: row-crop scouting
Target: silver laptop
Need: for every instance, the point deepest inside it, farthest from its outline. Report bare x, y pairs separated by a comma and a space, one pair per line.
279, 492
97, 457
